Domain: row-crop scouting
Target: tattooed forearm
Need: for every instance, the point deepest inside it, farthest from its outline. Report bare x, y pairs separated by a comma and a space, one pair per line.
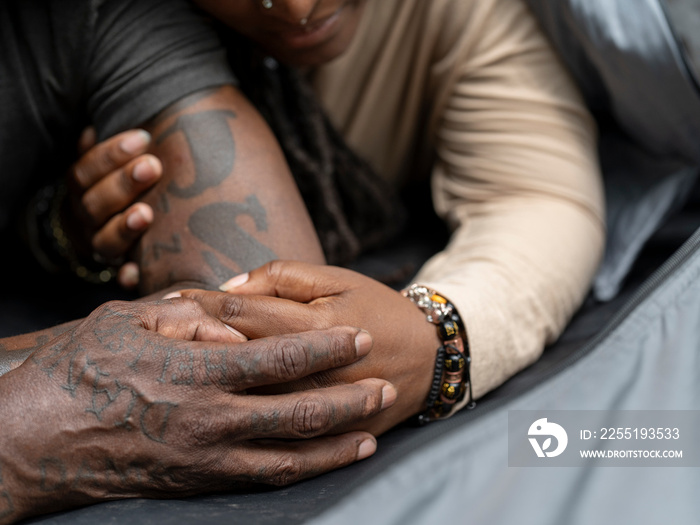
163, 204
211, 145
12, 358
157, 249
235, 243
223, 273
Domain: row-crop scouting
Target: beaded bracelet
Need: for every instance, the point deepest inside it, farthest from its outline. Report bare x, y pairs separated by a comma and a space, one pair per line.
50, 244
451, 378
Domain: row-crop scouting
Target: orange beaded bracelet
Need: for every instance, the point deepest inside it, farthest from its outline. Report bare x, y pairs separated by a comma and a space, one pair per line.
451, 380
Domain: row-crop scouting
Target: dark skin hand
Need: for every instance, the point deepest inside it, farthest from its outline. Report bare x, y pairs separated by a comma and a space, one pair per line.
149, 400
104, 185
206, 161
289, 297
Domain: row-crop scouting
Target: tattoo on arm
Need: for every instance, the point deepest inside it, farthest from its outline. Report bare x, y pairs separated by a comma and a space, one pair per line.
235, 243
164, 204
156, 250
184, 104
212, 147
9, 359
223, 273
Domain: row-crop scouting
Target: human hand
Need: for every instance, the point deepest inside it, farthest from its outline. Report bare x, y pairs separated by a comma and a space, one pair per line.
100, 210
149, 400
304, 297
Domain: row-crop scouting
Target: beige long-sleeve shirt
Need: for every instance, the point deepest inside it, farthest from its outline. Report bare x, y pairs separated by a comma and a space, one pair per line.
470, 94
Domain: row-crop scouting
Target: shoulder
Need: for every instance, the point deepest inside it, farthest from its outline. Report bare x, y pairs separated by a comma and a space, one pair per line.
146, 55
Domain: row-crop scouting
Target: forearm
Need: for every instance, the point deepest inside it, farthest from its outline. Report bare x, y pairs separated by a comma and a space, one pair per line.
518, 179
15, 350
226, 203
516, 277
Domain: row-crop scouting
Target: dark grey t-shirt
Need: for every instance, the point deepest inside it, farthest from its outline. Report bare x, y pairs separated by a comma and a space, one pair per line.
113, 63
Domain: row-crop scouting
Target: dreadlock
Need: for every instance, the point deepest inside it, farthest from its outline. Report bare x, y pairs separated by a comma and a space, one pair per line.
352, 209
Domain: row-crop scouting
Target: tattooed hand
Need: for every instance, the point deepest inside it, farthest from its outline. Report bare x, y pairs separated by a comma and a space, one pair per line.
149, 399
286, 297
101, 212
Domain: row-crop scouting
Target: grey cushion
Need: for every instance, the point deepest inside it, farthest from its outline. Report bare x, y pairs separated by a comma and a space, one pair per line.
627, 60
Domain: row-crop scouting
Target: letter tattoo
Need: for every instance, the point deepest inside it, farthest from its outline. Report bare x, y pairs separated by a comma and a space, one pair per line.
213, 158
236, 243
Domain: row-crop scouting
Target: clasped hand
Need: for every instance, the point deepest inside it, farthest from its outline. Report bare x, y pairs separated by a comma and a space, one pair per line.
284, 297
155, 399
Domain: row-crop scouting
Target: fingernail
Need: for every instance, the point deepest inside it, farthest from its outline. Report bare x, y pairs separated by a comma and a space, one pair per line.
144, 171
388, 396
236, 281
172, 295
136, 221
363, 343
366, 449
236, 332
135, 142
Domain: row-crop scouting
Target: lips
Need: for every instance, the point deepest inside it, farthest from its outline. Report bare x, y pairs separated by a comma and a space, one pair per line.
311, 34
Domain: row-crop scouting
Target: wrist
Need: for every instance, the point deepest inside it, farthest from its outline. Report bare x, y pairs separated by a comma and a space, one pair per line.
51, 243
16, 493
451, 383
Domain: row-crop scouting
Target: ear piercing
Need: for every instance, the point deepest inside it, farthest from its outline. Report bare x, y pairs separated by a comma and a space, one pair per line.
267, 4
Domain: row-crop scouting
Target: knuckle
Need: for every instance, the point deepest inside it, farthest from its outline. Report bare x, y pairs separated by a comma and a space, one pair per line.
112, 306
107, 159
114, 311
289, 359
186, 309
371, 404
190, 307
103, 244
340, 347
286, 470
230, 309
78, 174
91, 204
276, 271
312, 416
126, 182
273, 269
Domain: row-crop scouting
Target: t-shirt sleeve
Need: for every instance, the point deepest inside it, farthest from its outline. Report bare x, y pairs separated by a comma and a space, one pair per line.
146, 55
517, 177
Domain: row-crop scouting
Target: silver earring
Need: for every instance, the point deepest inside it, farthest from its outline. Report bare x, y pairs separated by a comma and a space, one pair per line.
267, 4
303, 21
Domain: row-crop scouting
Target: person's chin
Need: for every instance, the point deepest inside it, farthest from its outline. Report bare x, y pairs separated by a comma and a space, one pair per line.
311, 57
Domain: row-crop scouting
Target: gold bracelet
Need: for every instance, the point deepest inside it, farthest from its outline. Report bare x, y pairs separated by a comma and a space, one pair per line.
64, 246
